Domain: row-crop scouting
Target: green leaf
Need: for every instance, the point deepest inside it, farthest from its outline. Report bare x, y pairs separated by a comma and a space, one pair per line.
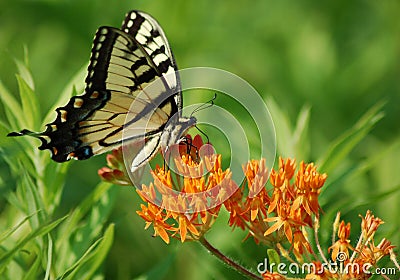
49, 256
9, 232
342, 146
300, 137
160, 270
273, 258
70, 89
30, 104
80, 211
94, 221
23, 70
282, 127
71, 226
21, 160
54, 177
40, 231
91, 260
99, 255
10, 103
4, 130
292, 142
32, 199
34, 269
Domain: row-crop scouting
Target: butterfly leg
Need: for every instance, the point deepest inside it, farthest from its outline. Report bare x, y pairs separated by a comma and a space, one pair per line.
189, 146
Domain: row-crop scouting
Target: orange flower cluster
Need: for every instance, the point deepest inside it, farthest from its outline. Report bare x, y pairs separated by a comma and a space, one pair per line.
186, 206
285, 210
184, 214
185, 203
365, 255
344, 266
182, 206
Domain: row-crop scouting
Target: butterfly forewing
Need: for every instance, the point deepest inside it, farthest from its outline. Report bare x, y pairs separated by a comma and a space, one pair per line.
122, 64
150, 35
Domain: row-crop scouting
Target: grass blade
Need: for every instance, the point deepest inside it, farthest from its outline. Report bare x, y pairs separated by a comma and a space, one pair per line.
75, 86
346, 142
9, 232
92, 258
34, 269
10, 103
40, 231
30, 104
49, 256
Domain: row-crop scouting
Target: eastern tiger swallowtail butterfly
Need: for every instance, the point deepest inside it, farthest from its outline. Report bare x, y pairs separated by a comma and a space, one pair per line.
123, 62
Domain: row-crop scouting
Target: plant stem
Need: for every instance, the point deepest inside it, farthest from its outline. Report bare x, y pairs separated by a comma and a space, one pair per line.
228, 261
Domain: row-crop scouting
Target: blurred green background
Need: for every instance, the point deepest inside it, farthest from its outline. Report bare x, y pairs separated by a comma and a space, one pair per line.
338, 57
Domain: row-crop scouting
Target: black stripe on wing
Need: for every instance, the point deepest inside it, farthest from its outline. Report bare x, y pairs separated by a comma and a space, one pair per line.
147, 32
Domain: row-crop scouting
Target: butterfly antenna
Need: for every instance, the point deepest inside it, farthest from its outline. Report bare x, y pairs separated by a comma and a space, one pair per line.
202, 132
206, 105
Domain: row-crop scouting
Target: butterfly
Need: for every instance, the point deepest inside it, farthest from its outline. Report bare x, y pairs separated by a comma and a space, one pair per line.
123, 63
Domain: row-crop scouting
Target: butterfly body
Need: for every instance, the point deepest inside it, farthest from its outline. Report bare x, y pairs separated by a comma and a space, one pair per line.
170, 135
132, 85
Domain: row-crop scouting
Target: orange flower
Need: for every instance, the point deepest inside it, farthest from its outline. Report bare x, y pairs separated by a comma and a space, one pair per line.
273, 276
257, 175
252, 207
308, 184
183, 202
234, 205
152, 215
282, 219
369, 225
340, 250
301, 246
280, 180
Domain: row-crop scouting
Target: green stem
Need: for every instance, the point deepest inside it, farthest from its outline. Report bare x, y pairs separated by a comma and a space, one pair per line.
228, 261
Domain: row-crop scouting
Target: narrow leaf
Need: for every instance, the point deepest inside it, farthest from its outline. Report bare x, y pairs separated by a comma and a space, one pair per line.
24, 72
83, 209
49, 256
69, 228
282, 127
76, 85
7, 233
30, 104
300, 136
273, 258
9, 101
347, 141
35, 268
95, 255
40, 231
99, 255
